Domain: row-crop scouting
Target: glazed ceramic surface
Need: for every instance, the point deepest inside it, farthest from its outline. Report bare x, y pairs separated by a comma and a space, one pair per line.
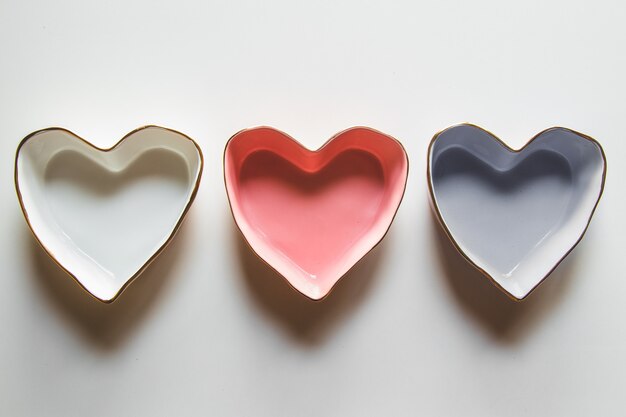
103, 215
515, 214
312, 215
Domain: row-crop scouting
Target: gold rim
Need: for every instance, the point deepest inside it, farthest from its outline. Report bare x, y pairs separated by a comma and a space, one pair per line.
513, 150
124, 138
316, 151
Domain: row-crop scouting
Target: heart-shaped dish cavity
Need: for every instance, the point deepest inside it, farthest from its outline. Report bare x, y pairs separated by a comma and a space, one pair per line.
515, 214
311, 215
104, 214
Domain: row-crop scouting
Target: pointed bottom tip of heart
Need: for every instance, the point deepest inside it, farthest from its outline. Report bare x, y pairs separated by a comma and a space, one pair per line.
516, 296
106, 297
109, 299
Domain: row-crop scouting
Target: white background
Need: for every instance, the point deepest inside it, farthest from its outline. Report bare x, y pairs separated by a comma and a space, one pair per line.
413, 330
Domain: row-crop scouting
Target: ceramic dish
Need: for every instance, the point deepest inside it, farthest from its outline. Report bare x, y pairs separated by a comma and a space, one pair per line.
515, 214
311, 215
104, 214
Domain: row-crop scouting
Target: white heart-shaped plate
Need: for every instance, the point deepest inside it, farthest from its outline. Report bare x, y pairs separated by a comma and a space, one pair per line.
515, 214
104, 214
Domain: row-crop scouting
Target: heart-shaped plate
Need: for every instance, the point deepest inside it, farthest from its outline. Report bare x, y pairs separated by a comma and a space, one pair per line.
515, 214
311, 215
104, 214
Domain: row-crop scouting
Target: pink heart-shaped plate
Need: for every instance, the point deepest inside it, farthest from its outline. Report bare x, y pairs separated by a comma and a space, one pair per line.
312, 215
